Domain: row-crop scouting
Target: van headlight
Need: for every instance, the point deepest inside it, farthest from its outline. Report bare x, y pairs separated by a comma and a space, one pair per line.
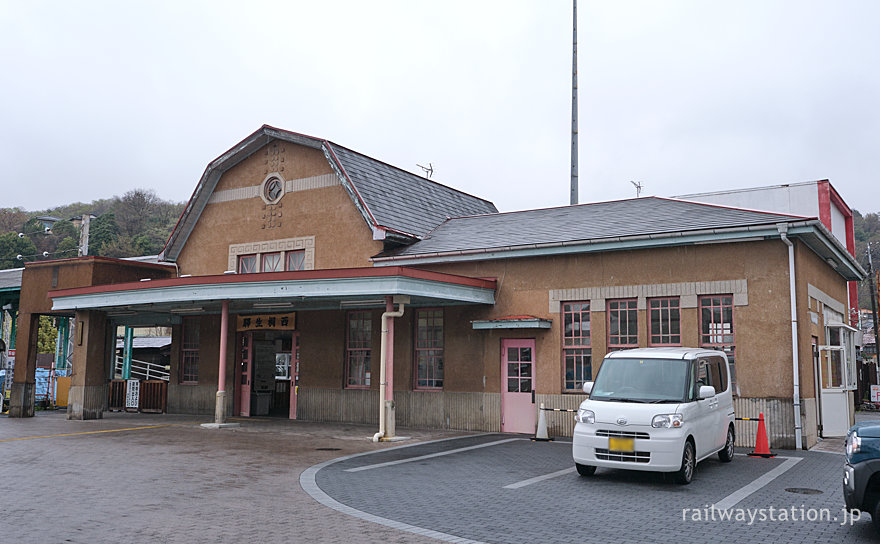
585, 416
853, 443
666, 421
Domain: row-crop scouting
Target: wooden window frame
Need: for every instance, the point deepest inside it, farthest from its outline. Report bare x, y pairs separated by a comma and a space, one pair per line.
301, 253
189, 352
433, 358
665, 314
575, 348
632, 306
279, 265
241, 260
358, 350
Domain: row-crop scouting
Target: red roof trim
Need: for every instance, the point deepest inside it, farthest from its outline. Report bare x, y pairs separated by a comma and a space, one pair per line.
340, 273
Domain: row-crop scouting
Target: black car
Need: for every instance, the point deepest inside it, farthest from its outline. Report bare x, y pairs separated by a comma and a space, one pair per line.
861, 475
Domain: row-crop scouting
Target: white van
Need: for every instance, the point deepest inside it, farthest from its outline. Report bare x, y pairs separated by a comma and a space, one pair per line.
656, 409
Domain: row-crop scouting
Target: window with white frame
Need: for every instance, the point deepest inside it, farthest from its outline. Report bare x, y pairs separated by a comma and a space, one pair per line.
716, 328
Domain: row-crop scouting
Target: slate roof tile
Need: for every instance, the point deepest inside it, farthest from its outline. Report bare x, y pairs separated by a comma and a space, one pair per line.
404, 201
622, 218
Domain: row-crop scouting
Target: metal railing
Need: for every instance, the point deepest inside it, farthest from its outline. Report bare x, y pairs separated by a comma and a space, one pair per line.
143, 370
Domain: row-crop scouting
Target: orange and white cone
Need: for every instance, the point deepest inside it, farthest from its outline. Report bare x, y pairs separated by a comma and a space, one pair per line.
762, 445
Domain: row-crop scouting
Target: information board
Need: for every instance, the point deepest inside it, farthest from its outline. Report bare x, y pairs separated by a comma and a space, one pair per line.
132, 393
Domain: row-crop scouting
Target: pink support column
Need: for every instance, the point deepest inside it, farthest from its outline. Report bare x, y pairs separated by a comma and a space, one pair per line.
220, 408
224, 333
389, 358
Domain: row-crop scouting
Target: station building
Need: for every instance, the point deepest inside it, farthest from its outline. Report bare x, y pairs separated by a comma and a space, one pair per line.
299, 267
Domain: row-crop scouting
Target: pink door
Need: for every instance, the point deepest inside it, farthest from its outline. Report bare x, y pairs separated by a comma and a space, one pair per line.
518, 386
294, 376
246, 371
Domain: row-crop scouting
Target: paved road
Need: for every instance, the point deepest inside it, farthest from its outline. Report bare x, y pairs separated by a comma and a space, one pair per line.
146, 478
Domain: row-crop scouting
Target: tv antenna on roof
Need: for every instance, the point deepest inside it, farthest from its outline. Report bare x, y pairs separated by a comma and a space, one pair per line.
428, 169
638, 185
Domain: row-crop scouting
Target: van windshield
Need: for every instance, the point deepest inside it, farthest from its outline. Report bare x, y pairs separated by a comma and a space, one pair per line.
642, 380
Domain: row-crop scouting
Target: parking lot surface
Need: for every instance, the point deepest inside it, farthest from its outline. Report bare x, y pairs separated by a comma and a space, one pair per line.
516, 490
143, 478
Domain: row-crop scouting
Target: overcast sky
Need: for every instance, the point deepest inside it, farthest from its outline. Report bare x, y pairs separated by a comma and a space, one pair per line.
98, 98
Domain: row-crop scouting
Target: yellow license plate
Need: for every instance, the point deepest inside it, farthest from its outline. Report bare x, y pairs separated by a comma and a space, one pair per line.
621, 444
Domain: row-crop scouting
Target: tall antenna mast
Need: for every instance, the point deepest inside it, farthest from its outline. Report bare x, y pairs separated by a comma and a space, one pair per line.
574, 104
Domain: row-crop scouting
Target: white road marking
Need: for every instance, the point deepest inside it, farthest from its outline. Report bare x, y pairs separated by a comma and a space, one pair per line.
310, 486
429, 456
537, 479
759, 482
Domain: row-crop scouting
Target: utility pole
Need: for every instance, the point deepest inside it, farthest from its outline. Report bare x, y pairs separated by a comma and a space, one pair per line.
84, 235
574, 105
872, 278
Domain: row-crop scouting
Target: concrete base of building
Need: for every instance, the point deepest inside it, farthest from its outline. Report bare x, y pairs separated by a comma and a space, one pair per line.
390, 418
21, 400
220, 425
86, 402
220, 408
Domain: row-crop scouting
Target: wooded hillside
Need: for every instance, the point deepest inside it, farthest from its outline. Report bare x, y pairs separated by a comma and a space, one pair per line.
866, 229
137, 223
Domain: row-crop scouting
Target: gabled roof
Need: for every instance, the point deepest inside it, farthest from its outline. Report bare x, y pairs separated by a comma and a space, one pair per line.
609, 226
393, 202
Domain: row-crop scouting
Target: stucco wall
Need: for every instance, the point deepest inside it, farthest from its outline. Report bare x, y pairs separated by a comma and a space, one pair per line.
762, 325
342, 239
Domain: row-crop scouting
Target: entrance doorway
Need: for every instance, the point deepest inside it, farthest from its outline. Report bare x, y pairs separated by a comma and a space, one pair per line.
518, 385
833, 397
268, 372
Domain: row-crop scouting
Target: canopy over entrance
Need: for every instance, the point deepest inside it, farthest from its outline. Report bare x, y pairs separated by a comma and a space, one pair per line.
164, 301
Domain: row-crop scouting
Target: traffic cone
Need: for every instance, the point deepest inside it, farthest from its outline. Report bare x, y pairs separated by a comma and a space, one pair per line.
541, 434
762, 446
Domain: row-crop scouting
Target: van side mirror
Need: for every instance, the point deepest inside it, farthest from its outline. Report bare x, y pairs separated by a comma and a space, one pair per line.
588, 387
706, 392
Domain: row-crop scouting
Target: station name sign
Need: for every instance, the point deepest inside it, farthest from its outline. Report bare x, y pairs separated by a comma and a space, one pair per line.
267, 322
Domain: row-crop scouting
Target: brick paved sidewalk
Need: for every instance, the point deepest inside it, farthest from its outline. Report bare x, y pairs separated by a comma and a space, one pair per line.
175, 482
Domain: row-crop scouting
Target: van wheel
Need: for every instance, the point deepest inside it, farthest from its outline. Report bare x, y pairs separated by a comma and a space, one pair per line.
726, 455
585, 470
875, 516
688, 463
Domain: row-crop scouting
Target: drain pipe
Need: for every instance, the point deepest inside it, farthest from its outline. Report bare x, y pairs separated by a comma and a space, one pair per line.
795, 370
383, 357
